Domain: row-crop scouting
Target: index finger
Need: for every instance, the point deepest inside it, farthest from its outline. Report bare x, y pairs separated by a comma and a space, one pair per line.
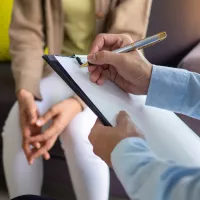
26, 148
50, 132
124, 119
108, 40
46, 117
26, 132
43, 150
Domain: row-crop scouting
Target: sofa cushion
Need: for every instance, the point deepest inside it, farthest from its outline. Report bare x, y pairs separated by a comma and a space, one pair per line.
191, 61
7, 91
181, 20
5, 16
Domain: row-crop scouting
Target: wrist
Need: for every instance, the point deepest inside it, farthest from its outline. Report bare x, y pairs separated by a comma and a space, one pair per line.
80, 101
22, 94
76, 105
147, 80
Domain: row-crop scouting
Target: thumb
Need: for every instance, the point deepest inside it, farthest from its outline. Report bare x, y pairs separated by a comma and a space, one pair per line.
98, 122
123, 119
105, 57
94, 131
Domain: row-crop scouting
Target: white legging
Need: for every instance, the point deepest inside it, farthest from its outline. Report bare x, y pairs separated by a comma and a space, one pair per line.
90, 175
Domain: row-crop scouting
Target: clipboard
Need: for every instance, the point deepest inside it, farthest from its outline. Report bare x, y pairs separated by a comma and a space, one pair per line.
58, 68
163, 130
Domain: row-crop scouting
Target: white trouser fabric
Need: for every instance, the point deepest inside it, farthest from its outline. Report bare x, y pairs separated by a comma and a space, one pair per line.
90, 175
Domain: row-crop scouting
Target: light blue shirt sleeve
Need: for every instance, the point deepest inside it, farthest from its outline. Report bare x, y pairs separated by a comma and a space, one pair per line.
177, 90
146, 177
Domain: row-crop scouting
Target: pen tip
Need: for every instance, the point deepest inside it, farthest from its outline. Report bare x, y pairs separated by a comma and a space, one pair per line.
85, 64
162, 35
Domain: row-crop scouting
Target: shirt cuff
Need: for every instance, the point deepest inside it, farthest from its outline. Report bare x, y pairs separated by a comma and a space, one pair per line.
131, 144
167, 88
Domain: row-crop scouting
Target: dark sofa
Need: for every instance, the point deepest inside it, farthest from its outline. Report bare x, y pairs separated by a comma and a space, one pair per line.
181, 20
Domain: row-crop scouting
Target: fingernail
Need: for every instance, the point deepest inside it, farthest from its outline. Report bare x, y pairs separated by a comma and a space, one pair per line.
37, 145
91, 57
48, 157
31, 162
123, 112
39, 122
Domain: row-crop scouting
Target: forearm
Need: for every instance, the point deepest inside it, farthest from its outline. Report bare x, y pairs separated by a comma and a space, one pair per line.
176, 90
26, 37
144, 176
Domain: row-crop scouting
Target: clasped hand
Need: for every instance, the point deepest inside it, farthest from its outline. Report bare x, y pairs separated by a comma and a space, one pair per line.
36, 143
